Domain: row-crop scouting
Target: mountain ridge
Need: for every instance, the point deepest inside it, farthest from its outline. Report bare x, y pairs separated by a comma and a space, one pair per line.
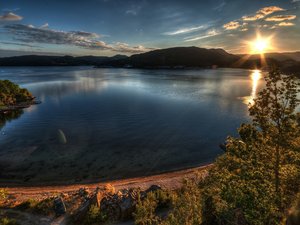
176, 58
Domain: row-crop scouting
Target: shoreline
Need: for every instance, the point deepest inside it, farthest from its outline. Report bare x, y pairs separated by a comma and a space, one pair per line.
169, 180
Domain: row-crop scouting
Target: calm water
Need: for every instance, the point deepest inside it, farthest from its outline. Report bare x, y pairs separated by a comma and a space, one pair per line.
119, 123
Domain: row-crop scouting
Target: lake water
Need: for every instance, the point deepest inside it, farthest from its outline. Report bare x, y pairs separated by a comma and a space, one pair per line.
102, 124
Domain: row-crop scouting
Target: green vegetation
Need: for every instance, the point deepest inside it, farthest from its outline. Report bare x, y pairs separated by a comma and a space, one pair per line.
7, 221
44, 207
11, 94
95, 216
3, 194
258, 177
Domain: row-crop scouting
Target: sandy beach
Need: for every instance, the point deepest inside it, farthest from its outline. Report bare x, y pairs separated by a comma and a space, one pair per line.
170, 180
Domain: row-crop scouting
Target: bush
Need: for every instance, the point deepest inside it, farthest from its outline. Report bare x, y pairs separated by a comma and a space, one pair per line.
3, 194
44, 207
11, 93
7, 221
94, 216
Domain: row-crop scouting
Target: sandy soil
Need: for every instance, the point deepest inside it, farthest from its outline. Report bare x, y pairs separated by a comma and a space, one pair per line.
171, 180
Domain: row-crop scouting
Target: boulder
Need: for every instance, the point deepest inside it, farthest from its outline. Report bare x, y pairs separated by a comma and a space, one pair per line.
153, 188
59, 206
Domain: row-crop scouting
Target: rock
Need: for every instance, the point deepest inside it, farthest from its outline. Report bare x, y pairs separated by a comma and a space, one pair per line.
153, 188
59, 206
83, 192
96, 199
110, 189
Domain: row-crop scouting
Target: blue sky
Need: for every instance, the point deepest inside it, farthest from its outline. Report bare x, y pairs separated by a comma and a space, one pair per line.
109, 27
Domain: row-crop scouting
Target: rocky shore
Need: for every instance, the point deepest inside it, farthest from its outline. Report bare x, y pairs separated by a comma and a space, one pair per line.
116, 199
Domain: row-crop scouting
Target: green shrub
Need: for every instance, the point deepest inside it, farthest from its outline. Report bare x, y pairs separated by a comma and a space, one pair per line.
3, 194
44, 207
94, 216
7, 221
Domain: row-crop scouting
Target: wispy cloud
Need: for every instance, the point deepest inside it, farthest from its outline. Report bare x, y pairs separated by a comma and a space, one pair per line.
10, 17
220, 6
208, 34
281, 18
233, 25
18, 44
185, 30
31, 34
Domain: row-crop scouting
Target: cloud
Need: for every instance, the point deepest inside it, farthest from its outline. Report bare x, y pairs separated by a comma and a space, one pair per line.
281, 18
220, 6
87, 40
269, 10
286, 24
19, 44
46, 25
123, 47
253, 18
233, 25
262, 13
10, 17
208, 34
185, 30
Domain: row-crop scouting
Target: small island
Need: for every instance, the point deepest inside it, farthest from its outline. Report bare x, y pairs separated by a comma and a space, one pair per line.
13, 97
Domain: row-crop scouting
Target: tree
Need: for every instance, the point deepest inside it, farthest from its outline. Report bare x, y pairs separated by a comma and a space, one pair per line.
274, 114
256, 178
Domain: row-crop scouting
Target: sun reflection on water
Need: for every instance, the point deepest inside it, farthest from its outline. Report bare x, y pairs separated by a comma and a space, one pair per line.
255, 77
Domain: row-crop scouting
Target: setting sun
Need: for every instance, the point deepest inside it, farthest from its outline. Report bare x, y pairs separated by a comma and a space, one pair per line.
260, 45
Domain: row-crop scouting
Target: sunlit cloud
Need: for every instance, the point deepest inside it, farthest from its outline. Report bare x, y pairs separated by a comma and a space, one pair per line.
269, 10
286, 24
185, 30
233, 25
10, 17
281, 18
253, 18
262, 13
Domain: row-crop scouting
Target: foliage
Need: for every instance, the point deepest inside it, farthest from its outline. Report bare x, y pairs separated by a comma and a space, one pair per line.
294, 214
95, 216
183, 206
11, 93
44, 207
3, 194
256, 179
7, 221
146, 210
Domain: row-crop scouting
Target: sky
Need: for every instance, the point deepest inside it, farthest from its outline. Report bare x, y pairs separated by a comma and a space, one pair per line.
110, 27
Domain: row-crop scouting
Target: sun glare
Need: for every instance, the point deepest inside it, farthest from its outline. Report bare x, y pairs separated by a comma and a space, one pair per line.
260, 45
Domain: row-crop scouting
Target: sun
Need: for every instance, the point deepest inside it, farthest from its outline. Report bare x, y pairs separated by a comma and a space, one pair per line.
260, 45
